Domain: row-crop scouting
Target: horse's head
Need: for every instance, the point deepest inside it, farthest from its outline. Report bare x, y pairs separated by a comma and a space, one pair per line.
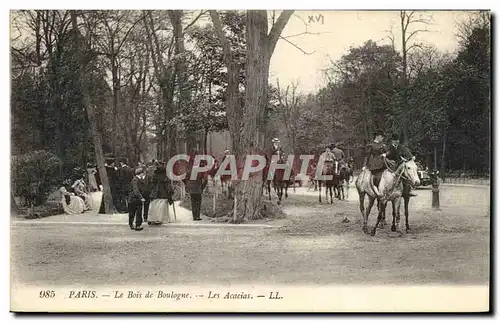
410, 171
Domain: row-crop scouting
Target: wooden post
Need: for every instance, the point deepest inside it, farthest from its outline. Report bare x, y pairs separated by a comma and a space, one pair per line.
435, 192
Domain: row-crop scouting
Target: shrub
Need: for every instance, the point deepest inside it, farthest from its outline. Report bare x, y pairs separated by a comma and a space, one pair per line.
35, 173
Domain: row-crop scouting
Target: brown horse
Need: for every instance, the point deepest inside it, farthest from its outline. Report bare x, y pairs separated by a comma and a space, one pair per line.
342, 182
329, 169
280, 183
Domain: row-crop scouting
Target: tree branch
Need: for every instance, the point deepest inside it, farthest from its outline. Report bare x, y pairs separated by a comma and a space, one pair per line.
276, 30
228, 55
294, 45
195, 19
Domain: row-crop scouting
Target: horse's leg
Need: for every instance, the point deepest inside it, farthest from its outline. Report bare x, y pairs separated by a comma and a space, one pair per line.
394, 215
407, 213
362, 203
381, 211
319, 188
286, 189
326, 191
268, 185
279, 191
366, 214
331, 194
383, 222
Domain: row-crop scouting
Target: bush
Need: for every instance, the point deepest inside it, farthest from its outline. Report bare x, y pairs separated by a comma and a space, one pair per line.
35, 174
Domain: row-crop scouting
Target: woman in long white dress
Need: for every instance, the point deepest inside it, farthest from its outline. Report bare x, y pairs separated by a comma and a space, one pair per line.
161, 198
71, 204
80, 189
91, 172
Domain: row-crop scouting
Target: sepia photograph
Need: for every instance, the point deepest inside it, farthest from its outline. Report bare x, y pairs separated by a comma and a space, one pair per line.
250, 160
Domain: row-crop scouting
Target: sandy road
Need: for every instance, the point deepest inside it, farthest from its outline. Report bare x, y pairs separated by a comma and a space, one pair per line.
312, 245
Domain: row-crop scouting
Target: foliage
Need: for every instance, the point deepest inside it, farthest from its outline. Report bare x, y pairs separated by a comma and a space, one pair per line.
38, 168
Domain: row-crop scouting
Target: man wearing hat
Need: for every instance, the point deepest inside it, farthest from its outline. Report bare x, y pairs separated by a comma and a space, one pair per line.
373, 159
276, 147
397, 151
136, 199
339, 155
328, 156
195, 189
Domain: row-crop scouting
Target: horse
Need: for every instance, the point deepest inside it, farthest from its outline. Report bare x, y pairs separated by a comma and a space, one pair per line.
341, 183
390, 188
330, 169
281, 184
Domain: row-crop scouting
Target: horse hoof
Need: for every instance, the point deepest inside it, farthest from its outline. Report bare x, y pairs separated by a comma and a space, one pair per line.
380, 225
408, 230
373, 231
393, 228
279, 203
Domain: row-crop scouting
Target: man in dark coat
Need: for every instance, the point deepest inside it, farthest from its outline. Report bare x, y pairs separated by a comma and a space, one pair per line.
136, 200
339, 155
374, 161
395, 152
195, 189
112, 176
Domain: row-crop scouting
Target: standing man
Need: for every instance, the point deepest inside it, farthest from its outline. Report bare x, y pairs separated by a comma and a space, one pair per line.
195, 188
373, 159
136, 200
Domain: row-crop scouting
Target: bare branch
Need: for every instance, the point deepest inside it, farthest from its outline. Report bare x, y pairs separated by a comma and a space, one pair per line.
306, 33
276, 30
413, 33
195, 19
127, 33
294, 45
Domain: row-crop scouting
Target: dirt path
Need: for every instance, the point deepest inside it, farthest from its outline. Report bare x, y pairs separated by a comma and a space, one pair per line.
312, 246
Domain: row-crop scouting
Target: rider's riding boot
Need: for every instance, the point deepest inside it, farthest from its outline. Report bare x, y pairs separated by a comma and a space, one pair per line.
412, 193
375, 188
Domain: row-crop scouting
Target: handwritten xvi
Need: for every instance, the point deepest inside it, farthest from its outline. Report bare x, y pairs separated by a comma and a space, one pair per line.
315, 19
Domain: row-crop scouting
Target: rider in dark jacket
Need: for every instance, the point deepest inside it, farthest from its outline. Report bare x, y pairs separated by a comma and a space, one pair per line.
374, 161
394, 155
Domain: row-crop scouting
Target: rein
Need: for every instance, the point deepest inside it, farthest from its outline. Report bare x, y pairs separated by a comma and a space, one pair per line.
399, 177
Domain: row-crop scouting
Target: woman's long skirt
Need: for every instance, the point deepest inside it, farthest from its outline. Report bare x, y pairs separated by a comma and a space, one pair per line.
159, 212
75, 206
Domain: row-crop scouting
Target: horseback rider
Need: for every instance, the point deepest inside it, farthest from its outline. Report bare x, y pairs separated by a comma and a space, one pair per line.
374, 161
328, 155
398, 150
276, 149
339, 155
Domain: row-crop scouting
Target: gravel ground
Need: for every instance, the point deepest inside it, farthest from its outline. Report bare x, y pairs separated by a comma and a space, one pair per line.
311, 246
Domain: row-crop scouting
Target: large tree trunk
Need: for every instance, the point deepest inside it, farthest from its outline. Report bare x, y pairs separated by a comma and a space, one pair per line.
257, 74
108, 199
246, 139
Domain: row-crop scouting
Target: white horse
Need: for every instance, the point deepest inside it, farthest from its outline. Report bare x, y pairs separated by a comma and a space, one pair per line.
390, 188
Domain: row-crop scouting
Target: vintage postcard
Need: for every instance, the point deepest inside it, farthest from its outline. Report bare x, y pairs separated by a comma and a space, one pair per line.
250, 161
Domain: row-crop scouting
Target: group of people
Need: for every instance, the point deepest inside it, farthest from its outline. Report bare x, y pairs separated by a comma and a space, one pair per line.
76, 192
150, 194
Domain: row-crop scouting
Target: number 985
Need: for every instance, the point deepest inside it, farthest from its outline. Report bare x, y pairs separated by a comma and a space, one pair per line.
47, 294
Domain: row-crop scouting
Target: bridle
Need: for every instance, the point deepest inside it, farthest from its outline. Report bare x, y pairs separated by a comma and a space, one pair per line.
403, 175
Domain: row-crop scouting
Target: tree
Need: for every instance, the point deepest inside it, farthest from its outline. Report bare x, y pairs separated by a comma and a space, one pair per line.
260, 47
408, 20
78, 39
